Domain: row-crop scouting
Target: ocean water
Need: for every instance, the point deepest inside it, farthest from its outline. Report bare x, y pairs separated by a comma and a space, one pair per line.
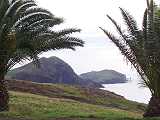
130, 90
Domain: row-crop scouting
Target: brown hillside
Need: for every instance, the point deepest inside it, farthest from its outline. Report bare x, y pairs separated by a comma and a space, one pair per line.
82, 94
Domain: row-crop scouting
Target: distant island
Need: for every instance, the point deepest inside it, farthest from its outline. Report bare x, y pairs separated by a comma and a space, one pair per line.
55, 70
105, 77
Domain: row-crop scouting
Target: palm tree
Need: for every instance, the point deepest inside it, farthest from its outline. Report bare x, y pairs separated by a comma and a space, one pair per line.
142, 48
25, 32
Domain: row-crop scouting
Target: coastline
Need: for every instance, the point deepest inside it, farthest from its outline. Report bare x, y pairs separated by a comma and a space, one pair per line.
131, 91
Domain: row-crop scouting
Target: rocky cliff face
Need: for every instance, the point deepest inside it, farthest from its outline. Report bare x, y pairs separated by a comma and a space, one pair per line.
51, 70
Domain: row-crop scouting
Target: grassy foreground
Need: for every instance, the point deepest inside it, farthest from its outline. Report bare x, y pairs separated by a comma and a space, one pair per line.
35, 107
32, 101
77, 93
25, 106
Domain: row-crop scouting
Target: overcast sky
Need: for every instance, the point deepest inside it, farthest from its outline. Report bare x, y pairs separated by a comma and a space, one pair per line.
99, 53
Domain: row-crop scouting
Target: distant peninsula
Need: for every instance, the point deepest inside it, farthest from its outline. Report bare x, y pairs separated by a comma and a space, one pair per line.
105, 77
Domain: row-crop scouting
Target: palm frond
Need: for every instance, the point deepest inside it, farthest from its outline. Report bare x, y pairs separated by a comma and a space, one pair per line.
144, 27
25, 32
67, 31
141, 46
125, 38
130, 22
118, 28
4, 4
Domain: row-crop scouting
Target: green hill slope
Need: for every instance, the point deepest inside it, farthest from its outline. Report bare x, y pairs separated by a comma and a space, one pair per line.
63, 102
24, 106
81, 94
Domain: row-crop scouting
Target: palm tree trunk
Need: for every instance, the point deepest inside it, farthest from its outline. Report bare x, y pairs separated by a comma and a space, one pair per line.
4, 96
153, 109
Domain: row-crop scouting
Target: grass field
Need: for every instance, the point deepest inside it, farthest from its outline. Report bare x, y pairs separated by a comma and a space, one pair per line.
81, 94
35, 107
31, 101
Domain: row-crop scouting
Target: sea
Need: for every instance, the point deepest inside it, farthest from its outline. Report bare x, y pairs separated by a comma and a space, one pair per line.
131, 90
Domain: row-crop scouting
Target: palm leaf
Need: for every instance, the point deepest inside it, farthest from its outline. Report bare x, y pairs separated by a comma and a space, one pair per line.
25, 32
141, 46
